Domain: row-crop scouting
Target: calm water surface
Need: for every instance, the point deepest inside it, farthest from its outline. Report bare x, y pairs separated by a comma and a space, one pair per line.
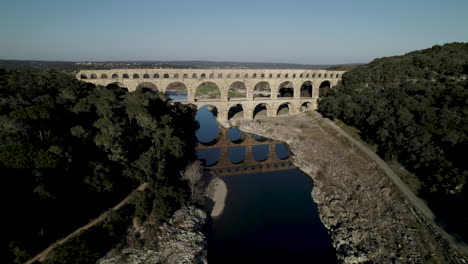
269, 217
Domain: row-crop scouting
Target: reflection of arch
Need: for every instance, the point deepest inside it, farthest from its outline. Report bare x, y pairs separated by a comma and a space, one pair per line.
115, 76
177, 91
93, 76
305, 107
136, 76
282, 151
207, 90
125, 76
286, 89
265, 149
237, 90
235, 110
236, 155
103, 76
144, 86
284, 109
306, 89
260, 110
324, 88
83, 76
262, 89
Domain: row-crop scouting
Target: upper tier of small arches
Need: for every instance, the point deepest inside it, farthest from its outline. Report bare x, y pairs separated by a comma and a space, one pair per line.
211, 75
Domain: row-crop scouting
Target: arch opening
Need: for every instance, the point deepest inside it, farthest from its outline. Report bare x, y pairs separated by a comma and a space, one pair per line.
306, 89
116, 85
236, 112
211, 75
207, 90
136, 76
286, 89
125, 76
93, 76
324, 88
156, 76
237, 90
284, 109
203, 76
261, 110
166, 76
177, 91
209, 132
262, 89
83, 76
103, 76
236, 155
147, 86
261, 152
176, 76
115, 76
145, 76
306, 107
194, 76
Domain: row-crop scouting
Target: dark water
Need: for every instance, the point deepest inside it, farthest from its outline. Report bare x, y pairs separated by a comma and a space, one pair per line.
269, 217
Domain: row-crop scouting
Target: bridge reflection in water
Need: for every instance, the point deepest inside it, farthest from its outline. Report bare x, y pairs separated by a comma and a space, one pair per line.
234, 152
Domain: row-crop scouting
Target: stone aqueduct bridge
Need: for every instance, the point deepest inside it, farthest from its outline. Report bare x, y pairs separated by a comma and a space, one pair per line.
191, 79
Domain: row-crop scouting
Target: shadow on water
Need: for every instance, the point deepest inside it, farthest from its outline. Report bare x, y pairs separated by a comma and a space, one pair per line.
269, 215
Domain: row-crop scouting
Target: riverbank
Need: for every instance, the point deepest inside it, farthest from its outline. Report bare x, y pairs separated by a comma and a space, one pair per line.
366, 214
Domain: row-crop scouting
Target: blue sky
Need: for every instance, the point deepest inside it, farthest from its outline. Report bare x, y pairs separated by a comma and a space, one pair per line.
311, 32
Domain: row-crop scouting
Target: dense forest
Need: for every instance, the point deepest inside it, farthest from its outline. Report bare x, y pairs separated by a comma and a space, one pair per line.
415, 109
70, 150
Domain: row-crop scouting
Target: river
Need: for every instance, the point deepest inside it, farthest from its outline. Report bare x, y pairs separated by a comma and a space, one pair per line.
269, 215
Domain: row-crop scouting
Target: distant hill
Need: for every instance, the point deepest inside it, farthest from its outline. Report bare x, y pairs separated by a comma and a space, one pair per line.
414, 107
75, 66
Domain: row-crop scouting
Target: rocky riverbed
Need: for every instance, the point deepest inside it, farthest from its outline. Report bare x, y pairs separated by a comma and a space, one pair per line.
368, 218
180, 241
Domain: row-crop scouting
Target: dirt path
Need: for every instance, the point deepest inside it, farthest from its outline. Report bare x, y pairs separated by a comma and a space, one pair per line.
419, 204
42, 256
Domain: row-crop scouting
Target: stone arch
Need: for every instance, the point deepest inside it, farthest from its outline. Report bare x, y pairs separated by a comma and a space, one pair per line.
237, 75
156, 76
115, 76
254, 75
146, 76
262, 89
261, 110
306, 89
125, 76
194, 76
294, 75
176, 76
337, 75
246, 75
319, 75
114, 85
307, 75
185, 76
166, 76
177, 91
270, 76
83, 76
324, 88
236, 111
237, 90
211, 75
286, 75
305, 107
93, 76
147, 86
207, 90
136, 76
313, 75
286, 89
284, 109
209, 135
103, 76
220, 76
278, 75
325, 75
228, 76
203, 76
